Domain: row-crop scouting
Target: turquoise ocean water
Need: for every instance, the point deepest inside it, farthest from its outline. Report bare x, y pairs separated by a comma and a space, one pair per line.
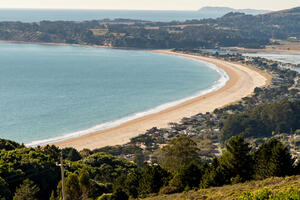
50, 93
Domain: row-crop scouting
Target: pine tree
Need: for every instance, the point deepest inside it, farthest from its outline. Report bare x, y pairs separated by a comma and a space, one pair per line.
180, 152
273, 159
84, 183
237, 159
73, 191
152, 179
187, 177
26, 191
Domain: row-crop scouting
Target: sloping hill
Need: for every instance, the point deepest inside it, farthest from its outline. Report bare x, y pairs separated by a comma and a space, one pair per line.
230, 192
295, 10
275, 25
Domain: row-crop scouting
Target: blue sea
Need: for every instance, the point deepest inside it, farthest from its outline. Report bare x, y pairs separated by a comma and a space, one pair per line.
50, 93
36, 15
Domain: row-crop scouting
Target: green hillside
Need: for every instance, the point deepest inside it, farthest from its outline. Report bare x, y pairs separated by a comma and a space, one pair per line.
277, 186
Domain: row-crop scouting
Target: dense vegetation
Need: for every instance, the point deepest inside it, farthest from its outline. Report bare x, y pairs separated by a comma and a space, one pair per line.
264, 120
35, 168
31, 173
233, 29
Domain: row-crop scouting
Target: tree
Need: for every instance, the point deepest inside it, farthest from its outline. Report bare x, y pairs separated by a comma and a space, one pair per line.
143, 180
237, 159
72, 187
8, 144
152, 179
109, 167
273, 159
52, 197
187, 177
26, 191
85, 153
84, 183
119, 194
280, 117
180, 152
51, 150
131, 182
4, 190
139, 158
215, 175
96, 189
71, 154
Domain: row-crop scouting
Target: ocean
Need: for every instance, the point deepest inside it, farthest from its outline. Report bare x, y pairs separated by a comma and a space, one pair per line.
36, 15
50, 93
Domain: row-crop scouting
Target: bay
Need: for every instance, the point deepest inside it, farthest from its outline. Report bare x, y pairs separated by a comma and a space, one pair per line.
52, 91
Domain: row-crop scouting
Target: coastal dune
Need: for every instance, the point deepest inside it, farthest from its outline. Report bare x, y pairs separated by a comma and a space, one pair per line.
243, 80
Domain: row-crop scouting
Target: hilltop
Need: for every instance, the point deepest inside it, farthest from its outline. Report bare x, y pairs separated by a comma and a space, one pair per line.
295, 10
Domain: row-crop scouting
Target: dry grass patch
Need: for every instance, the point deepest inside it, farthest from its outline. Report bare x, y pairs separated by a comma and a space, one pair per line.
230, 192
99, 32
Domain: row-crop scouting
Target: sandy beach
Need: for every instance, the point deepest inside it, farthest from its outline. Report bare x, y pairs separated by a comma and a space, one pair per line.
243, 80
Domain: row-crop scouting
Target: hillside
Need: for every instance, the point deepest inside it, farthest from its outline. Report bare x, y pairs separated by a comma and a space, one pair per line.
228, 192
231, 30
275, 25
295, 11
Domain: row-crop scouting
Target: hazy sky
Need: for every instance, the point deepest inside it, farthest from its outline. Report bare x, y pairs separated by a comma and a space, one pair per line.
149, 4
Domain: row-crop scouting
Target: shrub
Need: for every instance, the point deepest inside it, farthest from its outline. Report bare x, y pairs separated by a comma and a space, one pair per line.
267, 194
169, 190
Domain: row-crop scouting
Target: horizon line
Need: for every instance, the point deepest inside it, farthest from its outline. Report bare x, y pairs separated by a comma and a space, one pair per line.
11, 8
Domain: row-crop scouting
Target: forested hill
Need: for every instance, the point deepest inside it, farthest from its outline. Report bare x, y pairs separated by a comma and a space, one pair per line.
233, 29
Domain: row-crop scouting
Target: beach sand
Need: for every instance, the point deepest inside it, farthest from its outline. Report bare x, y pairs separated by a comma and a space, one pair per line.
243, 80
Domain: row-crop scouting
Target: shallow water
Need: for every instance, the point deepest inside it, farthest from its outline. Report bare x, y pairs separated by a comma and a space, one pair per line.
51, 91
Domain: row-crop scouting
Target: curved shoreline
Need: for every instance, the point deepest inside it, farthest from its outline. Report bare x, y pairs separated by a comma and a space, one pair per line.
242, 82
221, 82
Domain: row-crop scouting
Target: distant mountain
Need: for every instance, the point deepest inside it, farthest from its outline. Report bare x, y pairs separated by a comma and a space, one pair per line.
220, 11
